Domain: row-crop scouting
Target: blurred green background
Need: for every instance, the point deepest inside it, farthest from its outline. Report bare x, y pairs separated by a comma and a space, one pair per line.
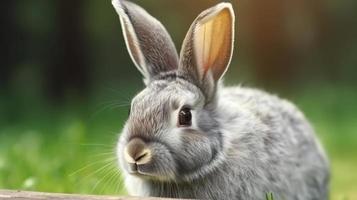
66, 81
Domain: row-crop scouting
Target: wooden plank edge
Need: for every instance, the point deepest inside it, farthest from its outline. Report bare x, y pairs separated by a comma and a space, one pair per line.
27, 195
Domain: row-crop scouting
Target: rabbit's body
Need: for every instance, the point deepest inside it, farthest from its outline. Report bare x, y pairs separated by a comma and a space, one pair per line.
268, 147
188, 136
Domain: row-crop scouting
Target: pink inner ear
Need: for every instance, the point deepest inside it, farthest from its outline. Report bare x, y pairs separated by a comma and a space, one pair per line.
213, 43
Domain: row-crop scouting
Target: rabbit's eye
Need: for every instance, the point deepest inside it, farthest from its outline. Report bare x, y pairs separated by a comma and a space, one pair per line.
185, 117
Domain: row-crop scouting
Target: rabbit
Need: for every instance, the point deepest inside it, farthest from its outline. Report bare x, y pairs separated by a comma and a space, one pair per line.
189, 136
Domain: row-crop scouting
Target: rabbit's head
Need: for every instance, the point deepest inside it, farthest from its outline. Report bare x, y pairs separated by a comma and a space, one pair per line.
173, 132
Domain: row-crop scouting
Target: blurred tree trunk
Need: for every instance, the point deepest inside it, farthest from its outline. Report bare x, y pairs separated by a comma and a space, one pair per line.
68, 74
270, 48
283, 34
8, 37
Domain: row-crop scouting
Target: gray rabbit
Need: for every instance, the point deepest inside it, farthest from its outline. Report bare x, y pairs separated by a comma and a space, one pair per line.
188, 136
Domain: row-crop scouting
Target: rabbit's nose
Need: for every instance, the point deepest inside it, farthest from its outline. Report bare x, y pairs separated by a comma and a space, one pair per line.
137, 152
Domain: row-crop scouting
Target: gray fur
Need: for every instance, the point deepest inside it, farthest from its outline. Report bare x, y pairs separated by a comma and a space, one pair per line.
243, 143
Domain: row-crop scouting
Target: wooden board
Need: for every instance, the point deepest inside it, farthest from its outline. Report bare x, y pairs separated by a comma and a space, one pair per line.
25, 195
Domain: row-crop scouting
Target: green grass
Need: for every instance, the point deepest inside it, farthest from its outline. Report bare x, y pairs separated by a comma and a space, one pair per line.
61, 149
71, 148
269, 196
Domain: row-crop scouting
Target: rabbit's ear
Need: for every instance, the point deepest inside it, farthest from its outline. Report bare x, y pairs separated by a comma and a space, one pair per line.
148, 43
207, 49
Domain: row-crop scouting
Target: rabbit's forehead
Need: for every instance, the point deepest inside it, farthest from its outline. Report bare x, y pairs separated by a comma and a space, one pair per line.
171, 95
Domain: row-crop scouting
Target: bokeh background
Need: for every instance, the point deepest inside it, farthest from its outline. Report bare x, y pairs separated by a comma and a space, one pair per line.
66, 81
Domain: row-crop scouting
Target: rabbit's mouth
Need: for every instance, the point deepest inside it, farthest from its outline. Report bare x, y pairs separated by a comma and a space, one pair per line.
134, 169
139, 171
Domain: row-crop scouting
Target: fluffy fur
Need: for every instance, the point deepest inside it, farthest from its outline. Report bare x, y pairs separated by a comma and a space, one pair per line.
243, 143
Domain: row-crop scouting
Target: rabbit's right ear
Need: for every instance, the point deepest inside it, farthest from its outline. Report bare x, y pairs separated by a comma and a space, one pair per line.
148, 43
207, 49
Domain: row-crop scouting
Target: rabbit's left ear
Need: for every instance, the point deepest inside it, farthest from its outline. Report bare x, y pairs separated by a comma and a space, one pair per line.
207, 49
150, 46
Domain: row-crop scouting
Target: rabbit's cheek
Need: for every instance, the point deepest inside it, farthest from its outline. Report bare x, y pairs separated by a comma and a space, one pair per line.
195, 152
162, 163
